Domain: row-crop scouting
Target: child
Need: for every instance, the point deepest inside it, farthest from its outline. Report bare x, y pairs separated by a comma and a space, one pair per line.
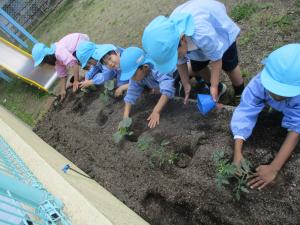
203, 32
62, 55
279, 86
136, 67
92, 56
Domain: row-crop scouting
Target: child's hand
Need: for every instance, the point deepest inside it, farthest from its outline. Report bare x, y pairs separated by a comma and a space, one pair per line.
75, 85
214, 93
154, 91
153, 119
86, 83
187, 90
119, 92
264, 175
62, 95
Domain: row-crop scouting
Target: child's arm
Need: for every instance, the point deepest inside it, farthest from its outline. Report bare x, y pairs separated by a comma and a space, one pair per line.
127, 110
119, 91
184, 76
265, 174
75, 72
62, 83
167, 90
216, 68
155, 115
245, 115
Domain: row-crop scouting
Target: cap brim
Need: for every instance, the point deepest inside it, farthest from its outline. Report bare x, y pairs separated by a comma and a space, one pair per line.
169, 65
128, 75
276, 87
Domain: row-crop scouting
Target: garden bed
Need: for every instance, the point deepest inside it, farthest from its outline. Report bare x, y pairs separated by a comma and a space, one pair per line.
168, 190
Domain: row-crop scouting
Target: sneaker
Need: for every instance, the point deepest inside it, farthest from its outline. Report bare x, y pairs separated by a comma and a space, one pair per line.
221, 89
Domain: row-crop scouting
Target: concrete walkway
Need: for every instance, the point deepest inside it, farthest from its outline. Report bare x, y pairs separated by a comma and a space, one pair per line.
86, 202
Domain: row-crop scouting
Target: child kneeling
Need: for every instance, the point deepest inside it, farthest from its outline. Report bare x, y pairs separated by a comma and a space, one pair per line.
136, 67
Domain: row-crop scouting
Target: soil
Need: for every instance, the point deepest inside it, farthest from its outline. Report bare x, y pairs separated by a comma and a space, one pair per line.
182, 193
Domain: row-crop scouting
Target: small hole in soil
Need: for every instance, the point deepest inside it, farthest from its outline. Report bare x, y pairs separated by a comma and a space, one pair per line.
101, 118
161, 212
186, 155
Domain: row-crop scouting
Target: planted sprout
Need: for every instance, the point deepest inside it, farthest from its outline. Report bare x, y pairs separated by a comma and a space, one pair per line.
123, 130
162, 156
227, 171
108, 87
144, 143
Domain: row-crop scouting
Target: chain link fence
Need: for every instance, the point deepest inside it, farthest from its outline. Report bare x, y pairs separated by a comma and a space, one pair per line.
29, 13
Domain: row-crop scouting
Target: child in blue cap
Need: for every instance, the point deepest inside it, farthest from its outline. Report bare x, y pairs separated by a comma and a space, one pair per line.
92, 57
278, 85
203, 31
136, 67
62, 55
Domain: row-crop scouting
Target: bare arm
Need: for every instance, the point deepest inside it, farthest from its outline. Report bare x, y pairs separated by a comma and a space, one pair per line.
216, 68
75, 72
238, 151
62, 84
286, 150
127, 110
184, 76
267, 173
155, 115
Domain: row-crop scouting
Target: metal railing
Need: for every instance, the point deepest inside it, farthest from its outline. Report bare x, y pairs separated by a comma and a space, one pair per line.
23, 199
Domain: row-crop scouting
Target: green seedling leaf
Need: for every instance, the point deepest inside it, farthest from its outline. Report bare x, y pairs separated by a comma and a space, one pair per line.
126, 122
130, 133
165, 143
109, 85
245, 190
245, 165
117, 137
103, 97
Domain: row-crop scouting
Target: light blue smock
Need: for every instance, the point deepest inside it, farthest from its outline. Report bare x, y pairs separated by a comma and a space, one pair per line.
101, 73
214, 32
253, 100
155, 80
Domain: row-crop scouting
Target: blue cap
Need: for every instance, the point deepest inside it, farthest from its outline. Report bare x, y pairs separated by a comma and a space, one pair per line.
161, 38
281, 74
85, 51
39, 51
205, 103
131, 59
102, 50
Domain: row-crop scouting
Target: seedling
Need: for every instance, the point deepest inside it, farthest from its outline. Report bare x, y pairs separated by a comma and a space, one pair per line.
226, 171
108, 87
144, 143
162, 156
123, 130
159, 155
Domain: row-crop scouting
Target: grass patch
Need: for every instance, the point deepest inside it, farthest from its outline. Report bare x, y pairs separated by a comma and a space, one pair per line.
22, 100
243, 11
281, 21
249, 36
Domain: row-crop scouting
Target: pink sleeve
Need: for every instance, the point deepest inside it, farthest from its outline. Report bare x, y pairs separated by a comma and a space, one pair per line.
65, 57
61, 70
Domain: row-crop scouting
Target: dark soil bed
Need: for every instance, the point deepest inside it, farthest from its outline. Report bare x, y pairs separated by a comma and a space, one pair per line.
183, 193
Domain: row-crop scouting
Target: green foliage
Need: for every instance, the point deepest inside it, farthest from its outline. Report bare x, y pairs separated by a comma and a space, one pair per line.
23, 100
144, 143
159, 155
281, 21
123, 130
108, 88
249, 36
226, 171
243, 11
